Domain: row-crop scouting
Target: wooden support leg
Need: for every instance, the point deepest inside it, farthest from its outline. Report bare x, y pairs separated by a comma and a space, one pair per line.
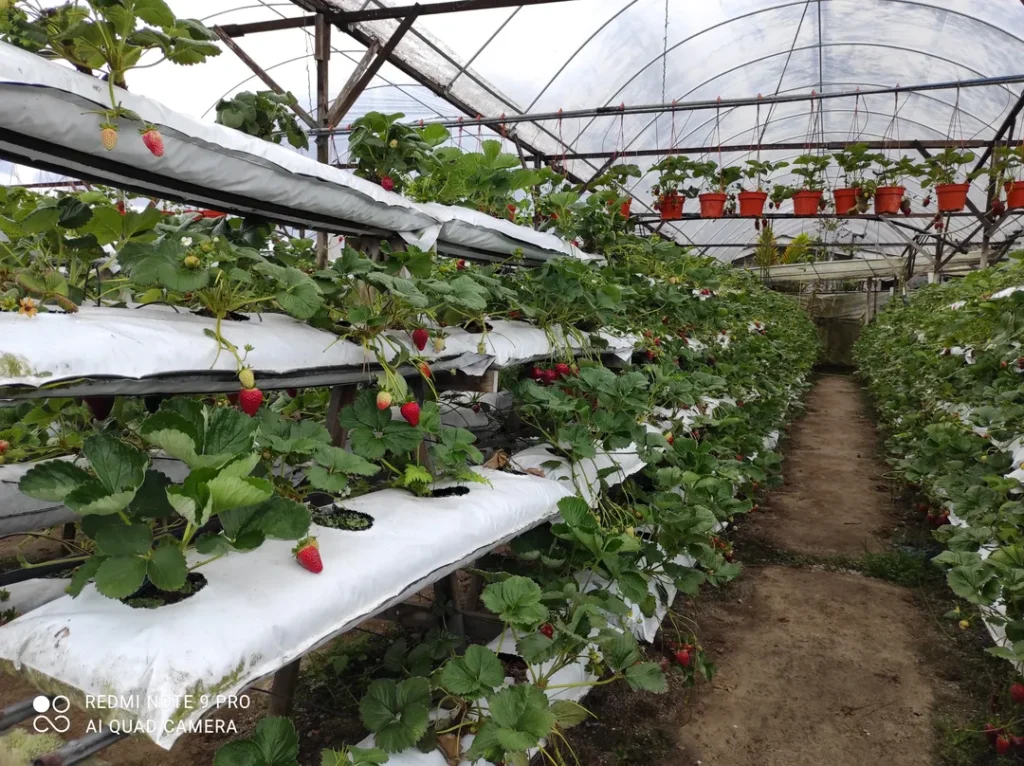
68, 533
445, 597
341, 397
282, 690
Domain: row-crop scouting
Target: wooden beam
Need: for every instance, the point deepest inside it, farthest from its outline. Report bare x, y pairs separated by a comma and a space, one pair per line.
269, 81
241, 30
335, 113
370, 65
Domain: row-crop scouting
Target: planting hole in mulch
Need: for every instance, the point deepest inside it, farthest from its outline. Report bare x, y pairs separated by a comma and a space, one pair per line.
319, 499
515, 667
342, 518
449, 491
475, 326
231, 315
150, 597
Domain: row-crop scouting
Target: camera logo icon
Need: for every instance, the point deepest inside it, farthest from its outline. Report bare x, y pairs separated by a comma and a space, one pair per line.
59, 705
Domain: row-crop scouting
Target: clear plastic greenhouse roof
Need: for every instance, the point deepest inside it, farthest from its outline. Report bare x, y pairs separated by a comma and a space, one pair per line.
593, 53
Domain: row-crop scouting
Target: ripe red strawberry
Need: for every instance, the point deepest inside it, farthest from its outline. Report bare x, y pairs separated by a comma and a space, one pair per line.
927, 201
537, 373
424, 369
387, 183
249, 400
562, 369
547, 629
307, 553
4, 446
739, 458
1003, 364
991, 732
664, 664
411, 412
755, 508
905, 206
99, 406
550, 375
683, 658
739, 403
514, 314
942, 520
383, 400
657, 341
420, 337
1017, 693
651, 356
154, 141
460, 264
108, 135
475, 407
292, 392
1002, 745
931, 518
232, 400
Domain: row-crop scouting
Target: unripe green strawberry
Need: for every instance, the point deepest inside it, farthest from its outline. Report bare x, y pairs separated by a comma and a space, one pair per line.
246, 378
191, 262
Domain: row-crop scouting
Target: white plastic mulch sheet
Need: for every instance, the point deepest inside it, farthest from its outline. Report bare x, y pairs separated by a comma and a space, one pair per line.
261, 610
140, 343
44, 103
580, 478
512, 342
457, 409
21, 513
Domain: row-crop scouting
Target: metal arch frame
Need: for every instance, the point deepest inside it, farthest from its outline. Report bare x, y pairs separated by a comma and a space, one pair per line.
766, 57
769, 146
785, 66
612, 97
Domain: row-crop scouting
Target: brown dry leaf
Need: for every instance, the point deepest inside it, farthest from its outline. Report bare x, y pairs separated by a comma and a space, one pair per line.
451, 747
498, 460
536, 472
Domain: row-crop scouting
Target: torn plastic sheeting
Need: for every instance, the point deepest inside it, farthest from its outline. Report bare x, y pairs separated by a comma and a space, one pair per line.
582, 477
21, 513
260, 610
479, 231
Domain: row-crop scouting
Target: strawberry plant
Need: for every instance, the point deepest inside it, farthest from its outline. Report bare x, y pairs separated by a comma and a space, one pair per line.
140, 525
264, 114
811, 168
387, 151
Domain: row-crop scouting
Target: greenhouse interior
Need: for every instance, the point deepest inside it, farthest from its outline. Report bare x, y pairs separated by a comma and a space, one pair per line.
673, 350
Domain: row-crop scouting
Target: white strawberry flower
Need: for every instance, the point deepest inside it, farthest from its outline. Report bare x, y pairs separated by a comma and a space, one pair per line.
186, 241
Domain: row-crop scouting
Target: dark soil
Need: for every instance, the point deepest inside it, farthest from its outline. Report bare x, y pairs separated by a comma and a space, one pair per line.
449, 492
818, 662
150, 597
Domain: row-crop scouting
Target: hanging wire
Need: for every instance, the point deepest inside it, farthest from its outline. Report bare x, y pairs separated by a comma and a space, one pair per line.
955, 121
664, 73
855, 129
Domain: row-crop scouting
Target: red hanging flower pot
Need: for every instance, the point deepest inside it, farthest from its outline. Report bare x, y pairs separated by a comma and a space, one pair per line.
846, 200
952, 197
752, 203
670, 206
712, 204
888, 199
806, 202
1014, 194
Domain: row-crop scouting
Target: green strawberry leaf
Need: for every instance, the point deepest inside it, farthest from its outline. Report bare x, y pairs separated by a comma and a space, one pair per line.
283, 519
397, 713
83, 575
118, 466
477, 673
646, 677
568, 713
120, 576
53, 480
232, 492
124, 539
93, 497
517, 601
167, 568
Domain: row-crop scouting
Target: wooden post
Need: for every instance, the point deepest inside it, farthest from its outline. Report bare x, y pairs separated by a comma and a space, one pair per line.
322, 53
341, 396
282, 690
868, 289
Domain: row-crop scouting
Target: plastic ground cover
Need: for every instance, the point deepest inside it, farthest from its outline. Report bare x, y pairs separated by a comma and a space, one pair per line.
43, 103
260, 610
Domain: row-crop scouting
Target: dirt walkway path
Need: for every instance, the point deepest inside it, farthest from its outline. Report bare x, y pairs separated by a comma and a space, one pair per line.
816, 666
